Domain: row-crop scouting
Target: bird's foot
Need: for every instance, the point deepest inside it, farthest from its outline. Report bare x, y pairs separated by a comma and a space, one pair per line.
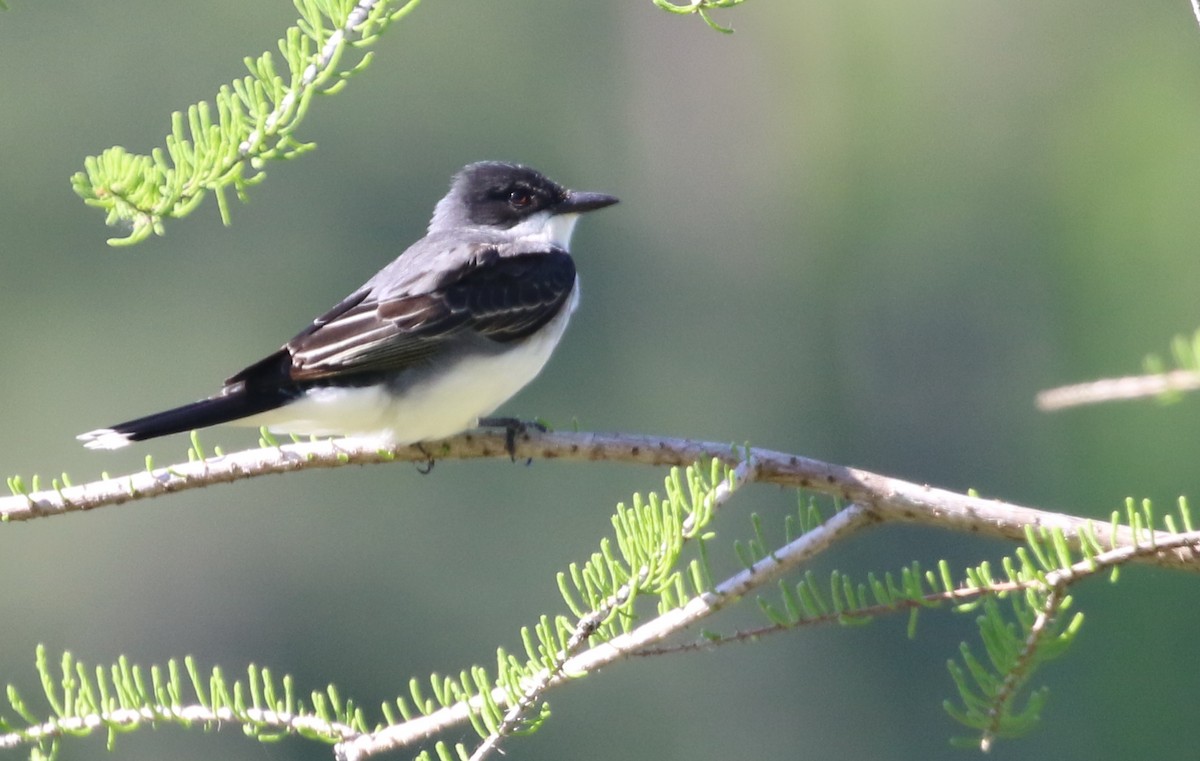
512, 428
429, 461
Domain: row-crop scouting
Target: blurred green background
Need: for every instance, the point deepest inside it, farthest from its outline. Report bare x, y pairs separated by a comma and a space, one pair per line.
863, 232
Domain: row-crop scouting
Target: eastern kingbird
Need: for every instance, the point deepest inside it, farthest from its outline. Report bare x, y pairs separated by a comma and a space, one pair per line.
445, 334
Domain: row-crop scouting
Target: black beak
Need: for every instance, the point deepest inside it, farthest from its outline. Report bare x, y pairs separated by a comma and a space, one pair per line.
578, 201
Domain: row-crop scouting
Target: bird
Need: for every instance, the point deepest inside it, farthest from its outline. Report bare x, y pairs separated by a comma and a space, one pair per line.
438, 339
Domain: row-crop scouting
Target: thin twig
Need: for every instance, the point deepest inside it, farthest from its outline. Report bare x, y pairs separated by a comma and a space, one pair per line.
1073, 574
802, 550
127, 718
335, 41
1118, 389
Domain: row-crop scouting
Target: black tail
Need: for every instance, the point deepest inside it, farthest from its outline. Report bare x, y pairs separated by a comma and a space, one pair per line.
201, 414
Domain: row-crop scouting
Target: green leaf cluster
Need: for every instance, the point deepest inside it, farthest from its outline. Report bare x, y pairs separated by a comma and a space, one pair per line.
1017, 640
254, 120
1183, 354
650, 534
643, 559
701, 8
124, 696
1022, 611
656, 561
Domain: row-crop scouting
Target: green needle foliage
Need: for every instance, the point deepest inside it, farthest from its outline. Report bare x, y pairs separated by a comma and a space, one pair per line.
1021, 612
654, 564
224, 146
1184, 355
701, 8
254, 120
644, 559
118, 699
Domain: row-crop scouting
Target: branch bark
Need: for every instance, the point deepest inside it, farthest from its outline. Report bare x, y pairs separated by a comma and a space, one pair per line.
885, 499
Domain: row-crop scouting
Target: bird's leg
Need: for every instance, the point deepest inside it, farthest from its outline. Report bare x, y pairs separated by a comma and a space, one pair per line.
512, 426
429, 461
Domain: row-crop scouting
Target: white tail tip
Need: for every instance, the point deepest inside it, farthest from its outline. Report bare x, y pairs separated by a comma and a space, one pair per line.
104, 438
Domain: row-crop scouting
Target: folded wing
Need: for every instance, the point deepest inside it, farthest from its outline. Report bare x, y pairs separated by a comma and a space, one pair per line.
501, 298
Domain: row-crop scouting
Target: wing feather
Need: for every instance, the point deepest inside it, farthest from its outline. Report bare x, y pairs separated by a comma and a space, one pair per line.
502, 298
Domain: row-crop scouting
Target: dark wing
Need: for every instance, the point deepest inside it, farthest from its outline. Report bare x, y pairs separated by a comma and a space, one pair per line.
500, 298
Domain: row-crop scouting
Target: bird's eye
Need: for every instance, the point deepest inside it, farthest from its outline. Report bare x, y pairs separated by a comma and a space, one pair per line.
520, 198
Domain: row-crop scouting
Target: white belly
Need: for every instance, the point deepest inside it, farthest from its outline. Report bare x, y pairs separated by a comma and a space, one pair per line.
447, 403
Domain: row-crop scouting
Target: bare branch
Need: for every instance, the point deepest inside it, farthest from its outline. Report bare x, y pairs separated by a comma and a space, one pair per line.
1117, 389
886, 499
127, 718
801, 550
588, 624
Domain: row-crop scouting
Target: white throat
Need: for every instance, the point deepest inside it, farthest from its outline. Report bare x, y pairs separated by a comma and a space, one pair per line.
546, 227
